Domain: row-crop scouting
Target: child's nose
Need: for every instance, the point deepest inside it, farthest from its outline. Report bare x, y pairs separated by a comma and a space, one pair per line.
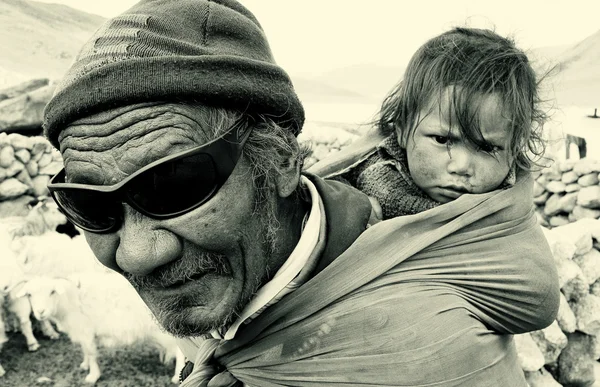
460, 161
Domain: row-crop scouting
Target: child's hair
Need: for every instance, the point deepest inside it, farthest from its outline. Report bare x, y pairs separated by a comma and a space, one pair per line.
476, 62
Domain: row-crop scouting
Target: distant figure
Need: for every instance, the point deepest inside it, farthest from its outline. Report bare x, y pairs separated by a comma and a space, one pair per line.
581, 145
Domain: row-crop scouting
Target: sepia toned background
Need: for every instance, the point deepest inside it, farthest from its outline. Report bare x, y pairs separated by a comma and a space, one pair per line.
343, 57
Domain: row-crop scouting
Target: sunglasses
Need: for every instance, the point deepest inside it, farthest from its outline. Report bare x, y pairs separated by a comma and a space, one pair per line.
166, 188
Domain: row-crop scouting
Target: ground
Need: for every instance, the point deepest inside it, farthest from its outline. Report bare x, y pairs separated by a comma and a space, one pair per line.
57, 362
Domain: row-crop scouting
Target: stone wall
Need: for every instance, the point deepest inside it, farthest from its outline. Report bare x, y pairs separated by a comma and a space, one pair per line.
568, 191
26, 166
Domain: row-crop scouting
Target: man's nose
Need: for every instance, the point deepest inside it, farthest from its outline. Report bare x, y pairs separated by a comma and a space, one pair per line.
460, 161
143, 245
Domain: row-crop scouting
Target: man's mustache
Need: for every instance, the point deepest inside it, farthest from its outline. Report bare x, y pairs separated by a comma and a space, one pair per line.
192, 264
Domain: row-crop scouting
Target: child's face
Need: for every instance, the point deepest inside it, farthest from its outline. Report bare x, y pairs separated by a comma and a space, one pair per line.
445, 166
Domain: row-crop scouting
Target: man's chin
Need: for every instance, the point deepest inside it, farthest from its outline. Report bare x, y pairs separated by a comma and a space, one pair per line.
190, 310
190, 321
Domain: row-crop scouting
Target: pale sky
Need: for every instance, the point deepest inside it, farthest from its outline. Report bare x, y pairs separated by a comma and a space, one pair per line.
312, 36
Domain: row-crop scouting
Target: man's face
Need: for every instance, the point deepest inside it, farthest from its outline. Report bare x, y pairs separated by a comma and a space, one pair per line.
194, 271
445, 166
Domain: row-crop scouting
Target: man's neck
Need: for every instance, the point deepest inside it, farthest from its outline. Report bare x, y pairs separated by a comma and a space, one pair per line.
291, 213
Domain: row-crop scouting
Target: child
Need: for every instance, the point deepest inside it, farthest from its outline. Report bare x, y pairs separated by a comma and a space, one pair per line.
465, 119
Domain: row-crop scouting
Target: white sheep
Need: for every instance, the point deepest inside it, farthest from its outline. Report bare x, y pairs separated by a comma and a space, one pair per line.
98, 307
55, 254
12, 278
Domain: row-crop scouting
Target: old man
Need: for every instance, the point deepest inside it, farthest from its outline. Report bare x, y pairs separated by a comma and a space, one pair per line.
178, 134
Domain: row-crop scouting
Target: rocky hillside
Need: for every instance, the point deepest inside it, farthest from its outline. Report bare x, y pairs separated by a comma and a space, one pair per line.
40, 40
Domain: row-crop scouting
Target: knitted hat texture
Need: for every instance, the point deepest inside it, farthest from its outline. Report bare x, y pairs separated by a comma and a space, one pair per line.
211, 52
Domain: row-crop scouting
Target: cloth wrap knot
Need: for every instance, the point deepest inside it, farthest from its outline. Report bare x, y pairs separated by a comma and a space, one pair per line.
208, 373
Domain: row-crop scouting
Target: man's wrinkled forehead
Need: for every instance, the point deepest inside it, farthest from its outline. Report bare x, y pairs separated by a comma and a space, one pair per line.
118, 142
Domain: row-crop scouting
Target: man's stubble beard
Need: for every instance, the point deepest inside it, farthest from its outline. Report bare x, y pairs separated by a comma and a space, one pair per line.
174, 314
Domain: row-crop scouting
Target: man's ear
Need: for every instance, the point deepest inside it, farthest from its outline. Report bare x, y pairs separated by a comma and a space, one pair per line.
288, 180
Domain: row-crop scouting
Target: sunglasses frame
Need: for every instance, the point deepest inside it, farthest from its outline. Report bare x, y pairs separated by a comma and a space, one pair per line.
224, 152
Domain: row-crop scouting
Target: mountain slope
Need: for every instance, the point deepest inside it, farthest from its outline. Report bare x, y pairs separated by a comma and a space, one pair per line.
579, 80
39, 39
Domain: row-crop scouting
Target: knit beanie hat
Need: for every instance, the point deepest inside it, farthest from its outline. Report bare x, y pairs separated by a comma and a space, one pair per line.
212, 52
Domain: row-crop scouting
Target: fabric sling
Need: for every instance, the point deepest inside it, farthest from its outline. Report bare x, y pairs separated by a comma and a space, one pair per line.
408, 304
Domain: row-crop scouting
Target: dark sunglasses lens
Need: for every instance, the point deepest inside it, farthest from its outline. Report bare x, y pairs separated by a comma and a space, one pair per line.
92, 211
174, 187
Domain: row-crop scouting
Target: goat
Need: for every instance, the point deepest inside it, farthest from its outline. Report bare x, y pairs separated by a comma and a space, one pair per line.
98, 307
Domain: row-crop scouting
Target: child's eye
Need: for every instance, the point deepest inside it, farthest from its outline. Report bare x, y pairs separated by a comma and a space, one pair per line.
441, 139
488, 148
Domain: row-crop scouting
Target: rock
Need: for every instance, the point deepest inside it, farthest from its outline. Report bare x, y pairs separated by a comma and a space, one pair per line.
23, 155
530, 356
552, 206
40, 145
579, 233
14, 168
541, 199
541, 218
542, 180
566, 318
562, 247
24, 87
32, 168
552, 173
2, 173
585, 213
538, 189
567, 270
556, 187
18, 141
56, 156
541, 378
40, 185
590, 225
589, 197
595, 347
558, 220
51, 169
572, 187
25, 112
568, 202
567, 165
24, 178
15, 207
7, 156
550, 341
11, 188
589, 264
576, 289
588, 180
569, 177
44, 160
585, 166
595, 288
587, 313
575, 364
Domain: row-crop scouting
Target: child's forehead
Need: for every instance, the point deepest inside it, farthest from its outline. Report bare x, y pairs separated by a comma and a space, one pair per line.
486, 111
